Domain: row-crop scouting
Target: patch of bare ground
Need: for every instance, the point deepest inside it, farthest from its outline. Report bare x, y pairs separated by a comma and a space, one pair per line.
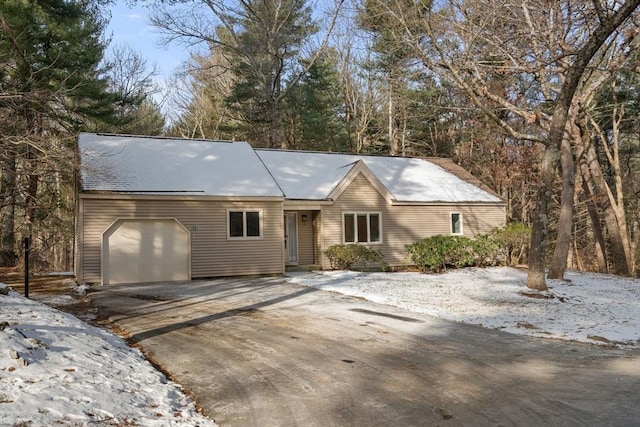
526, 325
39, 284
45, 287
538, 295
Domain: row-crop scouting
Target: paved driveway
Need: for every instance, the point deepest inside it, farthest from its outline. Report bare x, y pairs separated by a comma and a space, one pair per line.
262, 352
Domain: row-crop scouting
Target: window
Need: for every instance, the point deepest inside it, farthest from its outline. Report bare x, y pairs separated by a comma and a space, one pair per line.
244, 224
362, 227
456, 223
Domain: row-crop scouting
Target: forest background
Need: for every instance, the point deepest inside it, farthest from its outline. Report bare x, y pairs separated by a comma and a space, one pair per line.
538, 98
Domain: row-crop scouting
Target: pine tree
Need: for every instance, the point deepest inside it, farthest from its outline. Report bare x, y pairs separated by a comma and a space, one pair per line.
51, 87
315, 109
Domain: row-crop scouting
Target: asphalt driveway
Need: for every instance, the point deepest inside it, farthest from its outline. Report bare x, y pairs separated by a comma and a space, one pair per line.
263, 352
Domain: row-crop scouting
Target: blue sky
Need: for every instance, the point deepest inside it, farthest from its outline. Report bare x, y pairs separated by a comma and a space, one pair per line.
130, 26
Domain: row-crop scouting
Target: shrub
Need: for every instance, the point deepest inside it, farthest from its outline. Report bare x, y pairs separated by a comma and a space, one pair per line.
513, 239
502, 245
488, 251
343, 257
436, 253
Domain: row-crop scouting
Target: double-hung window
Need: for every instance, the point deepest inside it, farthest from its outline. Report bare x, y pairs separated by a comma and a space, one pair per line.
245, 224
362, 227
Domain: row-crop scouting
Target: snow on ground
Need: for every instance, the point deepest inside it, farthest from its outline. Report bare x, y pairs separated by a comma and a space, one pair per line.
58, 370
585, 307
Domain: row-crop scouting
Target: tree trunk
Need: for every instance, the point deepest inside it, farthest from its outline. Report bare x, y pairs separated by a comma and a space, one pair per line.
563, 242
8, 255
273, 124
592, 208
393, 142
617, 200
598, 236
538, 249
31, 197
535, 277
619, 242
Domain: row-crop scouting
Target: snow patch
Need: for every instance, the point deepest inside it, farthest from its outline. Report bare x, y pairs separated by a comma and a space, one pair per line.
57, 370
585, 307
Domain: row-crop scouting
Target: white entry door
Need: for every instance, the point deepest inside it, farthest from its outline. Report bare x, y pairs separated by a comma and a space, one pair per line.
291, 237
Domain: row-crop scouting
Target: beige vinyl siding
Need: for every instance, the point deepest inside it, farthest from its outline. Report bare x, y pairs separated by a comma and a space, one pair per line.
404, 224
407, 224
318, 238
305, 238
212, 254
360, 196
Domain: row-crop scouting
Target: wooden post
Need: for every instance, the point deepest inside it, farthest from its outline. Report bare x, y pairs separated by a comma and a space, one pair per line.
26, 267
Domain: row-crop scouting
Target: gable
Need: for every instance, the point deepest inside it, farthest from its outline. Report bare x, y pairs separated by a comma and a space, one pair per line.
316, 176
364, 174
360, 194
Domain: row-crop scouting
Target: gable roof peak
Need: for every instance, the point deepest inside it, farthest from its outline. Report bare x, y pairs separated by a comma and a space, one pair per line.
305, 175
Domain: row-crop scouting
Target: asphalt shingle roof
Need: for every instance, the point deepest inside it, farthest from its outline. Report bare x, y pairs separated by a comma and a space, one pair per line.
311, 175
146, 165
142, 165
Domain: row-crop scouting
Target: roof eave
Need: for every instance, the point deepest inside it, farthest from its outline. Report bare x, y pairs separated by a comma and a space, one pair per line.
115, 195
448, 202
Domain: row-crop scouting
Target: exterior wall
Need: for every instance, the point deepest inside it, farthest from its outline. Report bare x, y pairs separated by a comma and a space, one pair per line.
405, 224
212, 254
359, 196
305, 239
317, 237
306, 234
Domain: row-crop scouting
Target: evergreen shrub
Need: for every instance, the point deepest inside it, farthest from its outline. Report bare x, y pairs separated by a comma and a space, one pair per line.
502, 246
344, 257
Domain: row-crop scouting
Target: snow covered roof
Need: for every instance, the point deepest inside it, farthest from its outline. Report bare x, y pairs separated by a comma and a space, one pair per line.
143, 165
313, 176
147, 165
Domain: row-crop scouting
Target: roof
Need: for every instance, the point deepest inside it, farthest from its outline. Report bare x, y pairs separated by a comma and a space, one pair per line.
145, 165
313, 176
172, 166
450, 166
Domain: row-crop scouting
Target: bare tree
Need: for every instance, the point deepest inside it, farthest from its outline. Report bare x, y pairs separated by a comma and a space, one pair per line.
538, 51
362, 94
269, 42
132, 79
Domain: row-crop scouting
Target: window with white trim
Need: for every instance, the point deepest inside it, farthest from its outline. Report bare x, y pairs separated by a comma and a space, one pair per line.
244, 224
456, 223
362, 227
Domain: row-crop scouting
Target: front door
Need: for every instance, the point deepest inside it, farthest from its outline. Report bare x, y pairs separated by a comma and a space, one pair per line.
291, 237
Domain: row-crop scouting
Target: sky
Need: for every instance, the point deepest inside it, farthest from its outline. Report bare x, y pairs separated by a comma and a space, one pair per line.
129, 25
58, 370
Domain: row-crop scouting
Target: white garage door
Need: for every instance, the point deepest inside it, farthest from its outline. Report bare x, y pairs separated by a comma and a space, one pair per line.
145, 250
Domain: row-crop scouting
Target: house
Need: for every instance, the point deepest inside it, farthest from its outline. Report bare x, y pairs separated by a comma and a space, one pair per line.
161, 209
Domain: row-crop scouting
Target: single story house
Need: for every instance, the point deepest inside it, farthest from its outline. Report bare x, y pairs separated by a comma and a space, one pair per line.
163, 209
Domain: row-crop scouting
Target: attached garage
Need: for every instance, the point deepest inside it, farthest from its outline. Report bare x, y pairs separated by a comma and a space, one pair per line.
145, 250
161, 210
